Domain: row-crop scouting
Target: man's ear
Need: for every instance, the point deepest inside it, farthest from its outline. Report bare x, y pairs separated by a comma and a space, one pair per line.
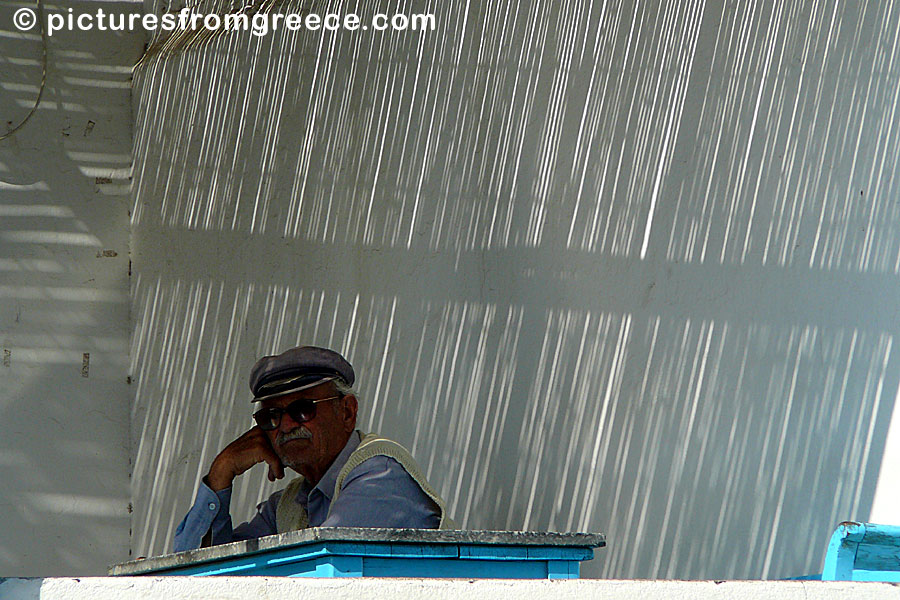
349, 408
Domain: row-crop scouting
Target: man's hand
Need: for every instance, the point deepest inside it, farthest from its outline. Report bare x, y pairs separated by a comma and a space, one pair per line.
251, 448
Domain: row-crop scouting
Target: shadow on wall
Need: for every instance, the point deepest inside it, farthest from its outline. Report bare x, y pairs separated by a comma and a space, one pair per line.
602, 266
64, 256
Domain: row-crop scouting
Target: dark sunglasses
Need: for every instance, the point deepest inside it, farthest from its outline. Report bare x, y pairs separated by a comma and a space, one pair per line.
301, 411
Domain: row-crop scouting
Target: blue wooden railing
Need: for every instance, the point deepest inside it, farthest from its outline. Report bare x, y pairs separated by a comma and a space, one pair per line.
863, 552
363, 552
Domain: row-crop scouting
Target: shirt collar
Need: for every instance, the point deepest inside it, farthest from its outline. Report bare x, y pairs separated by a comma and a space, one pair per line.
329, 479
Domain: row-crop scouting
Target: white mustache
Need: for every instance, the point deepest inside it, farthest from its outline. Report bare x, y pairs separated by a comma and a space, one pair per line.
300, 433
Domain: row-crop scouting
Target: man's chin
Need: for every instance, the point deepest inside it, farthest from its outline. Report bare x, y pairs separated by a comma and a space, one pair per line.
291, 458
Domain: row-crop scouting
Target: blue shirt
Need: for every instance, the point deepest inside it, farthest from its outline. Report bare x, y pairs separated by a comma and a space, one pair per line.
377, 493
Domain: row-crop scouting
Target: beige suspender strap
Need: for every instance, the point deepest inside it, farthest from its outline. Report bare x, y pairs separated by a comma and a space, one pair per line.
373, 445
289, 514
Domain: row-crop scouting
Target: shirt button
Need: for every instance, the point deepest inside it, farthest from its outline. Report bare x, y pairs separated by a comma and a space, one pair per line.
212, 506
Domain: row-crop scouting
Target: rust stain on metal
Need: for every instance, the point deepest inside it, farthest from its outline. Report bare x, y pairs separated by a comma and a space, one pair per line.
102, 180
7, 357
85, 364
107, 254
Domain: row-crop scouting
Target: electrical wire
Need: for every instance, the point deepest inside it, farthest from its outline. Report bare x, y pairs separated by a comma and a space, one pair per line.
40, 11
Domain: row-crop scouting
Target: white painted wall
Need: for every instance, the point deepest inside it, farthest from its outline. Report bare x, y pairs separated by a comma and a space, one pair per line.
240, 588
616, 266
64, 262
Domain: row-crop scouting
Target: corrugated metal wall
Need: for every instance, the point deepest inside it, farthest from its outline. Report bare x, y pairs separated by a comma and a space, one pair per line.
627, 267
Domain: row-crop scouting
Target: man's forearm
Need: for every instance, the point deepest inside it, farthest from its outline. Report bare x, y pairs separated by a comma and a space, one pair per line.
207, 520
218, 480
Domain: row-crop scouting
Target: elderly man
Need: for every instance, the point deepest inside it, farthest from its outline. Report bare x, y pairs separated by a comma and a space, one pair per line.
307, 422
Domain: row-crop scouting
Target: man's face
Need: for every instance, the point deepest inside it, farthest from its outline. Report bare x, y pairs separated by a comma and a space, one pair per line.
311, 447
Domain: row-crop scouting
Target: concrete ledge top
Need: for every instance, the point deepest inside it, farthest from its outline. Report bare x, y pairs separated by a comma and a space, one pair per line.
360, 535
279, 588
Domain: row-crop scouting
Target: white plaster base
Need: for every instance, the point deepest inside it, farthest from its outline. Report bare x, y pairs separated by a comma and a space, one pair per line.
279, 588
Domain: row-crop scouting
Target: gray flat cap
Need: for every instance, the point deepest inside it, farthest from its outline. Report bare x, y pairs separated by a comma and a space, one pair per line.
297, 369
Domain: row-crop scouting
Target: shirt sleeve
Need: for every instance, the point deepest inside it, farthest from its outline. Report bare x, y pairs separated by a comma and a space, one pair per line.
380, 493
211, 513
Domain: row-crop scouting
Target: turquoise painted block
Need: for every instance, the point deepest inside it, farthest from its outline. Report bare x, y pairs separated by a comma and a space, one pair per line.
309, 552
400, 560
360, 552
559, 553
307, 568
437, 567
863, 552
356, 549
424, 550
226, 568
493, 552
561, 569
346, 566
889, 576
